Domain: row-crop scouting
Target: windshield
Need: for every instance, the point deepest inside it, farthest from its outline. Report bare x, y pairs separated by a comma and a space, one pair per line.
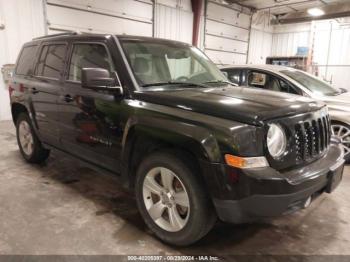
171, 64
312, 83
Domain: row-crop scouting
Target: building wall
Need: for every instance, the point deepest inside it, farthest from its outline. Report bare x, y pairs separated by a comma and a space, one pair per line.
227, 29
23, 20
174, 20
332, 52
101, 16
260, 40
287, 38
330, 43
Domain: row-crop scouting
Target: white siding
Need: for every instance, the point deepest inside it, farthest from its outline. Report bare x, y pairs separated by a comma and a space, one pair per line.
332, 52
226, 58
260, 46
338, 76
260, 41
225, 14
287, 38
226, 30
226, 33
121, 16
23, 20
226, 45
331, 47
174, 20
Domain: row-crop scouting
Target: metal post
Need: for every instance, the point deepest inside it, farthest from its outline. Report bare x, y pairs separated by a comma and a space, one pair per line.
197, 6
46, 30
329, 48
249, 36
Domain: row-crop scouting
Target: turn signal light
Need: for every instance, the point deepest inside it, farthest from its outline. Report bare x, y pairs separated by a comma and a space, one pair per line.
245, 162
235, 161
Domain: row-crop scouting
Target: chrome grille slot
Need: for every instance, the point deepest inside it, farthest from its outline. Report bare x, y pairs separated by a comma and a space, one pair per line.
308, 139
325, 131
311, 138
299, 143
317, 141
322, 134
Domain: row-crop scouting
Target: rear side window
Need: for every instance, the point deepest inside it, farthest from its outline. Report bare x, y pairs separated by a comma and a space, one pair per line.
88, 56
26, 60
51, 61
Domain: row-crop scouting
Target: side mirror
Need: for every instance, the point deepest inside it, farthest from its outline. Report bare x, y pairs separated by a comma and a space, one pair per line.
100, 79
343, 90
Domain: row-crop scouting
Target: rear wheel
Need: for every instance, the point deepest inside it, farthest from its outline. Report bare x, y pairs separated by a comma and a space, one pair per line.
29, 144
342, 131
172, 201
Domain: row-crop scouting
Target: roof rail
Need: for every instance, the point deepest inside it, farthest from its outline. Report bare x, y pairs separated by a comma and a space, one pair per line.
54, 35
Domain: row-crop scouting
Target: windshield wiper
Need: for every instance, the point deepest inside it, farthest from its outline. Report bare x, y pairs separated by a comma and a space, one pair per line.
182, 84
220, 82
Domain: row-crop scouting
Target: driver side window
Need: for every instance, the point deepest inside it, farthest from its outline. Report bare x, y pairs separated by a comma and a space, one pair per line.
285, 87
257, 79
269, 82
234, 76
88, 56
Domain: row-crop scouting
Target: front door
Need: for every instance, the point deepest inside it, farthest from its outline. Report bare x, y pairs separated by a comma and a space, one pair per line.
90, 123
264, 80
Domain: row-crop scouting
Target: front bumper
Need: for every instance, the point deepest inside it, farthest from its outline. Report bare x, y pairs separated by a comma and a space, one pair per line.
265, 192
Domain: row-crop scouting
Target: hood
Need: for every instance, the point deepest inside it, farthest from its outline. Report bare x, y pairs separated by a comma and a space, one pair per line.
246, 105
340, 102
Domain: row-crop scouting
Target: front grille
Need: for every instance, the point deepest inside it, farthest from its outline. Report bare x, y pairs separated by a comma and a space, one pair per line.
312, 138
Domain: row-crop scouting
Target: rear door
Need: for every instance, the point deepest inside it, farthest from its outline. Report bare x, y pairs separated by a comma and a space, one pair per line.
45, 89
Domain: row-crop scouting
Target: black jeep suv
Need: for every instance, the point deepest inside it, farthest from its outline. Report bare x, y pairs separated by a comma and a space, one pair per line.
161, 115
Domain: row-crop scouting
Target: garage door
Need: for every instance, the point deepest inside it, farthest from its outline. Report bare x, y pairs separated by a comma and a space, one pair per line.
226, 34
174, 20
133, 17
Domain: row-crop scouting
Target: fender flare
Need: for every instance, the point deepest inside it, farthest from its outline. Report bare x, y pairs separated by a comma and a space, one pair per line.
196, 139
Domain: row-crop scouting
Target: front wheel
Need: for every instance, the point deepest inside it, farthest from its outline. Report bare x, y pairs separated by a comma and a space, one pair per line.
172, 200
342, 131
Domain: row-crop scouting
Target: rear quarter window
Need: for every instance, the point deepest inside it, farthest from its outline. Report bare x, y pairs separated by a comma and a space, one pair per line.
26, 60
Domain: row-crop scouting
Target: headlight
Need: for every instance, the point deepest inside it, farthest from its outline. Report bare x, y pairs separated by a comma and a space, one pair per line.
276, 141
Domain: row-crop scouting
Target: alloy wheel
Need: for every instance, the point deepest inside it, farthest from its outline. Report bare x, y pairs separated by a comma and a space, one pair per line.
166, 199
343, 133
26, 138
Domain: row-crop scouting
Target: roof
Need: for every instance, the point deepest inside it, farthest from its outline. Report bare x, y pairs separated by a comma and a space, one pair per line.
149, 39
272, 68
76, 35
68, 36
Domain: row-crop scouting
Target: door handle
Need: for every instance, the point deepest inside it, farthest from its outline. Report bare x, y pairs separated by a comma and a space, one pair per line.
68, 98
34, 90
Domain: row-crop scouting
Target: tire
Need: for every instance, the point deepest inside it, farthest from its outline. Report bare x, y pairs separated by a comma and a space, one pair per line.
342, 131
28, 142
195, 221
